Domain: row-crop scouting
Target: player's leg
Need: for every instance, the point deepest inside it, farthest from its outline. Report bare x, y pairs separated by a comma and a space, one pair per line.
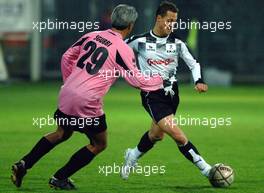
168, 125
46, 143
98, 141
43, 146
155, 104
155, 133
80, 159
148, 140
146, 143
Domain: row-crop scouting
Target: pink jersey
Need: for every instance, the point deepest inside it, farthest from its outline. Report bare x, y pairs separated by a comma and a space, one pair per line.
91, 66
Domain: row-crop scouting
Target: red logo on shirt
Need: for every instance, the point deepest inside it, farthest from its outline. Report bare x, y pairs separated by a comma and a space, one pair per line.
160, 62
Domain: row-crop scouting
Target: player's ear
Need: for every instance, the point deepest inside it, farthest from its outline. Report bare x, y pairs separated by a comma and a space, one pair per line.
130, 26
158, 18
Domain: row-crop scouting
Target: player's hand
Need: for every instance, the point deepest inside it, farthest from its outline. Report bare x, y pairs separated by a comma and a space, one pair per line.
201, 87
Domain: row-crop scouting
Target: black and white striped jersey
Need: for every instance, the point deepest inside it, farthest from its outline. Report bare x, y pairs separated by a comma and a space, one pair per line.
161, 54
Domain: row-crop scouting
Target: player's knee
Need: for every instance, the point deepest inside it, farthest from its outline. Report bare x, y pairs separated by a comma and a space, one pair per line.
100, 147
63, 135
59, 134
156, 137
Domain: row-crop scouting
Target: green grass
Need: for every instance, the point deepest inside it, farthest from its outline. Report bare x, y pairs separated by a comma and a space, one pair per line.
240, 145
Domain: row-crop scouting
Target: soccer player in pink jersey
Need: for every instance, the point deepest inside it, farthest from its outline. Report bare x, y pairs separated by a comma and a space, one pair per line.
88, 68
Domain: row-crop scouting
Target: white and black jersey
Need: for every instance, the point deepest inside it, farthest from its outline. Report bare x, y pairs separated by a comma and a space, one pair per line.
161, 54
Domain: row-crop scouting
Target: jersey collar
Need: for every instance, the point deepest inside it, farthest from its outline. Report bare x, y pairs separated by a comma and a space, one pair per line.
115, 33
158, 37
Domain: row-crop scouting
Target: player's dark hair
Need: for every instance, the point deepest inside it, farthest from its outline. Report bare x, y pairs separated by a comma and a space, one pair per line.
166, 6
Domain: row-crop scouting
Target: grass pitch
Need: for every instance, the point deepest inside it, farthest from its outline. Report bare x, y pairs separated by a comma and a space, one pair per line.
239, 145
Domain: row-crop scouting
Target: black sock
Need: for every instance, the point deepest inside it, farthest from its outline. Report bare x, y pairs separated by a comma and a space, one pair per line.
185, 150
80, 159
145, 144
39, 150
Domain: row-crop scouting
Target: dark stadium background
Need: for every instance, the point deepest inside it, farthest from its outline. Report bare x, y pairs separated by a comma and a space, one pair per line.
239, 50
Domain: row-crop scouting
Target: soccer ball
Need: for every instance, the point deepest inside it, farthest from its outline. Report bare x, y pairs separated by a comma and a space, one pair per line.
221, 176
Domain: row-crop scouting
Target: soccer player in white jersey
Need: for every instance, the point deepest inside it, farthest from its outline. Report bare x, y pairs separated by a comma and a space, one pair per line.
158, 52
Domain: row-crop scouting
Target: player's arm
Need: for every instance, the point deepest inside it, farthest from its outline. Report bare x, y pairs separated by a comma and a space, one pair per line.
69, 58
126, 64
195, 68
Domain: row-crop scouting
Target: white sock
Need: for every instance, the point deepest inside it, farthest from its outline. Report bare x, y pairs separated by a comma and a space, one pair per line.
136, 152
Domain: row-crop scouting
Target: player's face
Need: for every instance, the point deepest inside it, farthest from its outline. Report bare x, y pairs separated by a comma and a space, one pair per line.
166, 22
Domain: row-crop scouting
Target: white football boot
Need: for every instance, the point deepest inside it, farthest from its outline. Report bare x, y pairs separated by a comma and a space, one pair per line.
130, 163
201, 163
206, 171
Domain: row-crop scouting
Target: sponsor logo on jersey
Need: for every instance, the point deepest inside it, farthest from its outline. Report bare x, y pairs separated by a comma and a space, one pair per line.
171, 48
160, 61
151, 47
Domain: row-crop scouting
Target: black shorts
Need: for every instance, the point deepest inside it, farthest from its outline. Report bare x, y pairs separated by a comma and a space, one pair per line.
159, 105
88, 126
